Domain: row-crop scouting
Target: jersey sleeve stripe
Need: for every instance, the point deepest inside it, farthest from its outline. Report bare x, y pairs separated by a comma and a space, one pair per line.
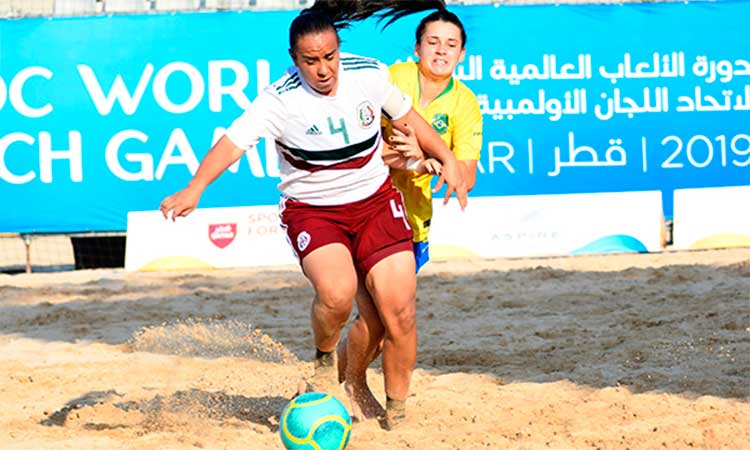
359, 67
290, 83
288, 88
349, 59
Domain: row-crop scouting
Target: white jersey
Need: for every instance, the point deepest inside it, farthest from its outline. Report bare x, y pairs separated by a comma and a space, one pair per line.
329, 146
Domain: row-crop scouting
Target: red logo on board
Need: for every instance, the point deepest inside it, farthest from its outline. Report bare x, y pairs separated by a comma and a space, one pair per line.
222, 234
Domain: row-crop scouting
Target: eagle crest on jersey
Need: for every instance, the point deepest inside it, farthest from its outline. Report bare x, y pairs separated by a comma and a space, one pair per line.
365, 114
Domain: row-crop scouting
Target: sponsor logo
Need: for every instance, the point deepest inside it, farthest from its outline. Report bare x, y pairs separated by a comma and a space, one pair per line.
313, 131
365, 114
303, 240
440, 122
522, 235
222, 234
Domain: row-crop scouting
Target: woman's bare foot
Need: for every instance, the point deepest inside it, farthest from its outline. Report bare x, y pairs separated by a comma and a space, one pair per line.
363, 403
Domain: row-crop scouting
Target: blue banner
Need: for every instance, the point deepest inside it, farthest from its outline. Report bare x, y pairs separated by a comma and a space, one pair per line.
104, 115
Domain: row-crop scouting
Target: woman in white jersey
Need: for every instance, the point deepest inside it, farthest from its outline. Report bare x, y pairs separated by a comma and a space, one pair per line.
341, 213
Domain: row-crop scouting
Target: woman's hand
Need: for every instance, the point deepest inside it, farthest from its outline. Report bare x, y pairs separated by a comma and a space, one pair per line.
181, 203
405, 143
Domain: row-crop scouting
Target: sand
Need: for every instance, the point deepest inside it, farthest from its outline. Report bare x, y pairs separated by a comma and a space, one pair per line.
611, 352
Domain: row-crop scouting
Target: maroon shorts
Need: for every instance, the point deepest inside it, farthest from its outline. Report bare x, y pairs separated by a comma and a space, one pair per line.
372, 229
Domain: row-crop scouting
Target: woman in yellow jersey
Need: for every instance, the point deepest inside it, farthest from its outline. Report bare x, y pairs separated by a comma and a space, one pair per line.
445, 103
453, 111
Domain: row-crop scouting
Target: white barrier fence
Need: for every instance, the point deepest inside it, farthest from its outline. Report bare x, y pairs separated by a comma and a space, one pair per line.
541, 225
490, 227
712, 217
209, 238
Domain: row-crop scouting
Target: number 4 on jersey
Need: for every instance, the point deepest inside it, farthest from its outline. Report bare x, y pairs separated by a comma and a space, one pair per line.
398, 212
340, 129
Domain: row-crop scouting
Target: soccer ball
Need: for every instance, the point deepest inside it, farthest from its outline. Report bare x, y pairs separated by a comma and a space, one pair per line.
315, 421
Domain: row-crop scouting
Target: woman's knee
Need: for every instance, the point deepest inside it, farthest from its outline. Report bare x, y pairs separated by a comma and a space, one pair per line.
332, 274
401, 320
336, 303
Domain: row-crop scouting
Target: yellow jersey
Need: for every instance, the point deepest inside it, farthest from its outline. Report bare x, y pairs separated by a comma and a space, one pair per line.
455, 115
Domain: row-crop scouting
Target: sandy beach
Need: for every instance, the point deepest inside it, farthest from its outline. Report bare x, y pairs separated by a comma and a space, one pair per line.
645, 351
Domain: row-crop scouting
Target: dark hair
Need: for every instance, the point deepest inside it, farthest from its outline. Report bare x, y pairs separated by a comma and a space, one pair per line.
338, 14
441, 15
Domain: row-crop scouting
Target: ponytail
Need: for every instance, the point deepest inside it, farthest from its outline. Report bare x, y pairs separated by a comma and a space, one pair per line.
339, 14
343, 12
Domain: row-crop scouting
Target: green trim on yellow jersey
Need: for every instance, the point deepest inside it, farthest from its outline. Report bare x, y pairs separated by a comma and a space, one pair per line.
445, 91
456, 117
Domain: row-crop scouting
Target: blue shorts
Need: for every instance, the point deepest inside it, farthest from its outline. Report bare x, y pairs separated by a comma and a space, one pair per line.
421, 253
